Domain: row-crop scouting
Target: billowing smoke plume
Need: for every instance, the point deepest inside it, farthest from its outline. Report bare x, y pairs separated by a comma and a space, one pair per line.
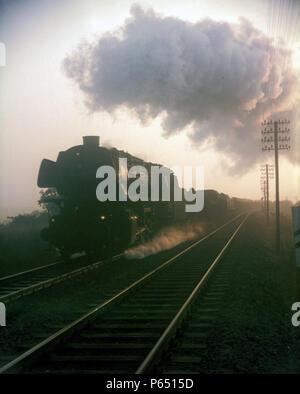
219, 79
166, 239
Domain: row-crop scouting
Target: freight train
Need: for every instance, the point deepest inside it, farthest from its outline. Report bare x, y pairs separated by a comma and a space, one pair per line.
79, 222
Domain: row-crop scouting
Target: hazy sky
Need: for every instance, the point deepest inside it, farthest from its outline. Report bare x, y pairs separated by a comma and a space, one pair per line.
198, 109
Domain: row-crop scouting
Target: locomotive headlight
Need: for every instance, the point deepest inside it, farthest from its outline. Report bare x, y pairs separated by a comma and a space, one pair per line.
134, 217
102, 217
52, 220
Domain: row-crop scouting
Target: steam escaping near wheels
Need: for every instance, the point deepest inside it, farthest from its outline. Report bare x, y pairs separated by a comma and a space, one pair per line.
167, 238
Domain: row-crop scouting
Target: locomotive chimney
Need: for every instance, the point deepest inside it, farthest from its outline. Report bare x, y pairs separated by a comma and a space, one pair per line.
91, 141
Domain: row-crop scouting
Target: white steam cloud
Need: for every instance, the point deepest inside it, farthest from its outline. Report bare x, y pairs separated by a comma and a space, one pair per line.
215, 77
166, 239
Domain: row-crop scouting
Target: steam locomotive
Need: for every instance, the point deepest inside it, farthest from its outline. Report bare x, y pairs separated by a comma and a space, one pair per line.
79, 222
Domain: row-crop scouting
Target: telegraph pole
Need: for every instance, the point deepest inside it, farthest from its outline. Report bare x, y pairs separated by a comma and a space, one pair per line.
263, 189
267, 173
273, 138
267, 182
277, 187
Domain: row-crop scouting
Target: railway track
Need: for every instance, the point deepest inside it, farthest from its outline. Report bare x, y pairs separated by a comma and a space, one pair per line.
27, 282
132, 331
30, 281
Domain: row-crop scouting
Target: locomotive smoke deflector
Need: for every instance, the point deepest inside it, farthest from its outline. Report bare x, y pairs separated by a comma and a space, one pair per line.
47, 174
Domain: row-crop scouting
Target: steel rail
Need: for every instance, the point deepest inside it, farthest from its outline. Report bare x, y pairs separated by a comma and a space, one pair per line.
44, 346
29, 271
170, 331
57, 279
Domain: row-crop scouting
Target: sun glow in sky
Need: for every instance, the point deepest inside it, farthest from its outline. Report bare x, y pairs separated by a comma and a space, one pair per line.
43, 112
